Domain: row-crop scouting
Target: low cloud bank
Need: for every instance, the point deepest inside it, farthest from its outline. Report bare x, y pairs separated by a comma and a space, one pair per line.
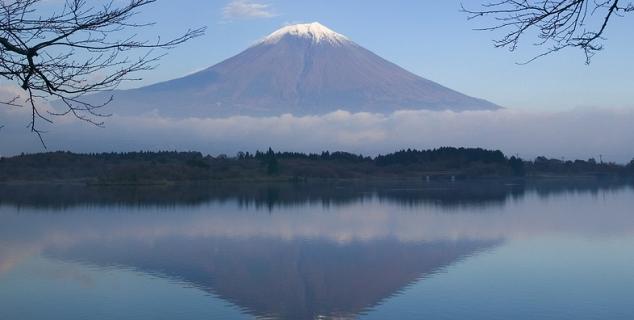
580, 133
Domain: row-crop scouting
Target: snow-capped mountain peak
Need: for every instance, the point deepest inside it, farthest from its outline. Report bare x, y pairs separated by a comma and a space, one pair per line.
304, 69
314, 31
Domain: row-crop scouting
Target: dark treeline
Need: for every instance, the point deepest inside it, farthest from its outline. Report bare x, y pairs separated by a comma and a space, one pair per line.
172, 166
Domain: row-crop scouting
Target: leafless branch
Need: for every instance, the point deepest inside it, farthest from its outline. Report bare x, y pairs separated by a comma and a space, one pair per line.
77, 50
559, 24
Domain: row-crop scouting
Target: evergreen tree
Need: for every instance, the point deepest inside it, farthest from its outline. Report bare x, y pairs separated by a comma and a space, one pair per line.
517, 165
272, 167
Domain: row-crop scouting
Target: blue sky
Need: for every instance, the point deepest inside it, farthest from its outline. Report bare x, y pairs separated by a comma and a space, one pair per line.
556, 106
430, 38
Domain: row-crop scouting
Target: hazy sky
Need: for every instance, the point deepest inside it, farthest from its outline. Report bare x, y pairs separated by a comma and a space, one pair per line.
556, 106
430, 38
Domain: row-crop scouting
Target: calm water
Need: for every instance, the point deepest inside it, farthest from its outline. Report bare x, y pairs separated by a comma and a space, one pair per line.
392, 251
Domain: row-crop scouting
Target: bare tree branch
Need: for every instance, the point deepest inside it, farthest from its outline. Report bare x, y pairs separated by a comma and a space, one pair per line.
78, 50
559, 24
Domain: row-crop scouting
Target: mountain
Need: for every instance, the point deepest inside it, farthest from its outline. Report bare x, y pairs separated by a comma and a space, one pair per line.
299, 69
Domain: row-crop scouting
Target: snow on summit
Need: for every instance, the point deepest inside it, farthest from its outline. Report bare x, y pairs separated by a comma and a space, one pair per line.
303, 69
314, 31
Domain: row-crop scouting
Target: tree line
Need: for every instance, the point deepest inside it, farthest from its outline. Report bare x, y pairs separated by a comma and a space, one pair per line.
169, 166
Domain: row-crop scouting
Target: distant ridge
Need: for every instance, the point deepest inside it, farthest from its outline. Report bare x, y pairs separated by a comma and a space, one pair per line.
300, 69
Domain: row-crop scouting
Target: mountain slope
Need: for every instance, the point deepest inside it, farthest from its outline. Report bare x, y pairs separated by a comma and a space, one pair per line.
300, 69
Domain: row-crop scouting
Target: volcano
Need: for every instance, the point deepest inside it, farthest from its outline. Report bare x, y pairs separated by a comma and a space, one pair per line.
303, 69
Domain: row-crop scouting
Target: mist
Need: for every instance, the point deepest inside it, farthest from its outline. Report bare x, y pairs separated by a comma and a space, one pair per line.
574, 134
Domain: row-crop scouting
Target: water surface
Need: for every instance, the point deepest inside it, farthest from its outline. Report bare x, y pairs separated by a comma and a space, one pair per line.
468, 250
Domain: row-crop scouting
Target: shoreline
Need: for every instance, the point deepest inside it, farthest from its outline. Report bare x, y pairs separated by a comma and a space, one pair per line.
89, 182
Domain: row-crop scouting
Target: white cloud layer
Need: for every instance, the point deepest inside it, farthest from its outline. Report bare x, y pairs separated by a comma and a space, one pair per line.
245, 9
579, 134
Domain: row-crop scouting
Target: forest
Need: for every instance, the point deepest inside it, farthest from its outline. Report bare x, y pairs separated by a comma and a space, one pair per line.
161, 167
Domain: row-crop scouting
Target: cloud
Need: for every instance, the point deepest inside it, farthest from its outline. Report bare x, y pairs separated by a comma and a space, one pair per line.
246, 9
574, 134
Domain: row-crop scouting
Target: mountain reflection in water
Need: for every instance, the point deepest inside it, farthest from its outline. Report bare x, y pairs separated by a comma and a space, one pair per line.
289, 279
289, 251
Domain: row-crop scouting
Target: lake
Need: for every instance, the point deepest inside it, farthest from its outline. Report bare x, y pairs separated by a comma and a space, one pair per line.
416, 250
